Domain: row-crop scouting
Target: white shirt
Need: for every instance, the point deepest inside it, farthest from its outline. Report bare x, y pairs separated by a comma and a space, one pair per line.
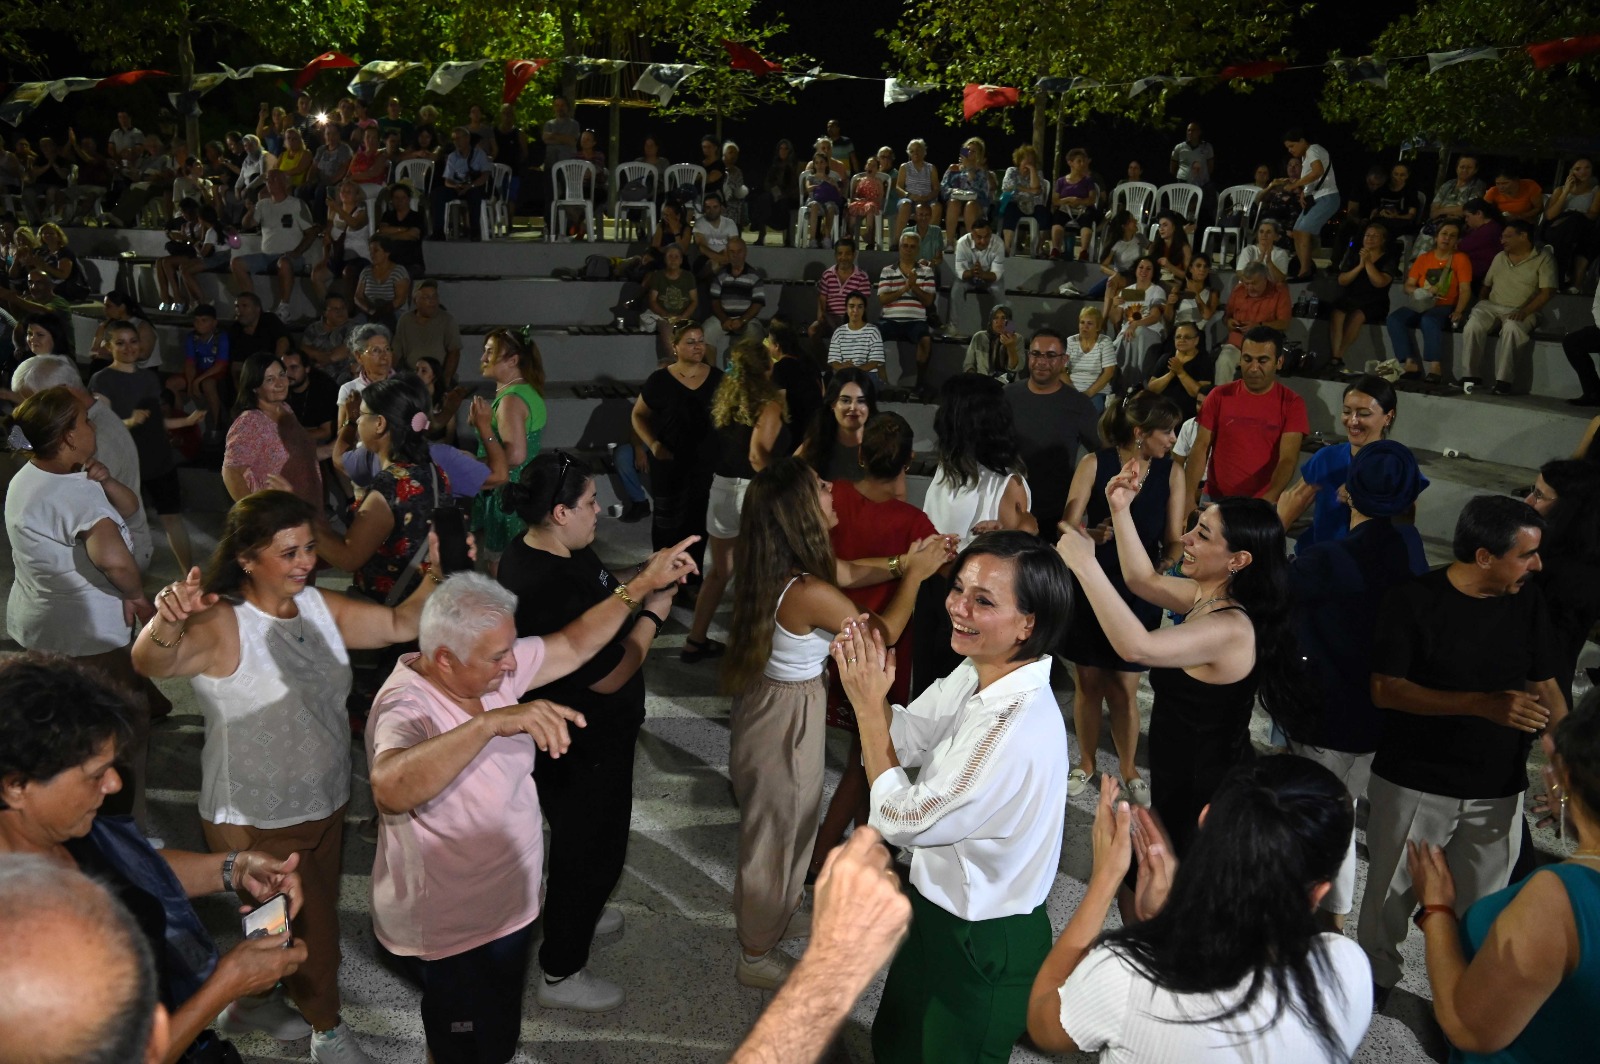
1085, 367
717, 233
1252, 253
1194, 161
1327, 184
984, 819
956, 509
991, 259
1186, 436
1107, 1006
282, 223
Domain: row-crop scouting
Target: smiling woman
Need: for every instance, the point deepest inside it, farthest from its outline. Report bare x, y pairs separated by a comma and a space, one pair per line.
266, 439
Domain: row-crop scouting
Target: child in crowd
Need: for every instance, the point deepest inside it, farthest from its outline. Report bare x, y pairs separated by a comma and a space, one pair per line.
205, 367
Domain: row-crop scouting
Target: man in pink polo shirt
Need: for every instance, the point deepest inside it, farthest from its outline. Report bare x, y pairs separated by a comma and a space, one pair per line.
455, 884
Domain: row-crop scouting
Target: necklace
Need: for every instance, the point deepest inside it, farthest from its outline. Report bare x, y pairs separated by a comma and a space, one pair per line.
1218, 597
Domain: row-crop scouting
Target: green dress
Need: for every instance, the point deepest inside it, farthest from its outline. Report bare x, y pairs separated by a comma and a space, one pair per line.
496, 526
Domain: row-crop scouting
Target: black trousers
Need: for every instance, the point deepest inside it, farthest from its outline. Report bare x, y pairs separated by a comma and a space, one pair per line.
1580, 346
680, 491
587, 796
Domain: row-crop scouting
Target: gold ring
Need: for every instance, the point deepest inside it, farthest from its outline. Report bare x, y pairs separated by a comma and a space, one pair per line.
850, 661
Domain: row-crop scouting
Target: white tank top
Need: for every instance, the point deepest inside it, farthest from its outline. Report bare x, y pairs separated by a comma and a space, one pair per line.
277, 749
955, 510
918, 182
795, 657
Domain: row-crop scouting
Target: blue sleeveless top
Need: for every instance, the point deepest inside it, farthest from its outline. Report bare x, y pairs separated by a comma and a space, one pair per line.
1565, 1023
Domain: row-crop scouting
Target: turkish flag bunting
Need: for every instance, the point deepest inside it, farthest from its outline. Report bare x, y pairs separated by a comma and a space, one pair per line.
117, 81
982, 97
1565, 50
1259, 69
325, 61
518, 73
745, 58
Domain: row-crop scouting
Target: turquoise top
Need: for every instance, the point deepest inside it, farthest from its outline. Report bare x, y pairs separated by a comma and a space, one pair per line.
1565, 1023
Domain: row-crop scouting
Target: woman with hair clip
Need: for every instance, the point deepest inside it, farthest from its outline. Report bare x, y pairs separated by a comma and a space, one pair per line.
787, 606
1566, 493
1234, 642
980, 486
984, 818
832, 444
517, 370
749, 419
587, 793
268, 657
1368, 414
795, 374
267, 446
1224, 961
1518, 979
874, 519
1140, 431
672, 418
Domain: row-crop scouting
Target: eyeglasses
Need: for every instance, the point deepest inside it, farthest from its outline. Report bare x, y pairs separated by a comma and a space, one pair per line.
1037, 353
561, 478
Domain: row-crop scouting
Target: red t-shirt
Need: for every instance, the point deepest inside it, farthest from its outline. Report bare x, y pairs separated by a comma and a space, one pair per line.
868, 529
1245, 429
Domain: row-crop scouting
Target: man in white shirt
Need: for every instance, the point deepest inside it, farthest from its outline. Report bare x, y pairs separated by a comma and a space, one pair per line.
287, 230
980, 260
1194, 160
712, 232
126, 140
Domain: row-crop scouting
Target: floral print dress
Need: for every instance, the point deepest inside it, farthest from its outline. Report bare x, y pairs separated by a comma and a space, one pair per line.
412, 492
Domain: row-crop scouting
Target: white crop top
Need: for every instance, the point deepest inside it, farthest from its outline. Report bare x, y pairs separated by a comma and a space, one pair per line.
795, 657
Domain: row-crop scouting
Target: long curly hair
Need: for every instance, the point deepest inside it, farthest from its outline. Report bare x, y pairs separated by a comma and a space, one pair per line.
973, 430
747, 387
782, 534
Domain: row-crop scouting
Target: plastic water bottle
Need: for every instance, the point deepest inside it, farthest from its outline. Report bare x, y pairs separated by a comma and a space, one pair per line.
1311, 305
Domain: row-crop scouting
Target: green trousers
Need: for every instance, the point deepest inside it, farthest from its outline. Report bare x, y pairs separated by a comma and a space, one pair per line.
958, 989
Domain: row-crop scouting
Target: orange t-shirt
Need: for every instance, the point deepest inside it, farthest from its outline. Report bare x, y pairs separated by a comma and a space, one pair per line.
1520, 202
1431, 270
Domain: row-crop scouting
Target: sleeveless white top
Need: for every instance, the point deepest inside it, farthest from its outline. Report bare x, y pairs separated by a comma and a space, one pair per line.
277, 749
918, 182
955, 510
795, 657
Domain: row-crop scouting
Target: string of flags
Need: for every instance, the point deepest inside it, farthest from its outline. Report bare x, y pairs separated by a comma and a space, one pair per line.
662, 80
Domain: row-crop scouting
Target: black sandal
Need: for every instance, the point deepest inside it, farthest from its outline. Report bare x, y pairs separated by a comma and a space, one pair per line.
694, 652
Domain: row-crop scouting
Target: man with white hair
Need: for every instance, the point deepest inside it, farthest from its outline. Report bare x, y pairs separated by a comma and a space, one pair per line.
114, 446
80, 980
456, 881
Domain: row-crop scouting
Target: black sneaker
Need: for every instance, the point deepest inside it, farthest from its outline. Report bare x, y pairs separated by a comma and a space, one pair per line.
636, 511
1501, 388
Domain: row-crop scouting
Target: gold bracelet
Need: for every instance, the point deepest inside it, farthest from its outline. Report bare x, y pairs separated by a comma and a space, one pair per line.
894, 566
621, 591
150, 630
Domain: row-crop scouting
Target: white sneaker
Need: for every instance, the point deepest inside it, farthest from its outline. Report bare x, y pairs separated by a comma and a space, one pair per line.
610, 921
282, 311
271, 1015
1138, 792
766, 973
1069, 289
799, 926
1077, 782
338, 1046
582, 990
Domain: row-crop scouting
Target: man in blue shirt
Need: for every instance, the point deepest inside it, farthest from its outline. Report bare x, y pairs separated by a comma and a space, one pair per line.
467, 171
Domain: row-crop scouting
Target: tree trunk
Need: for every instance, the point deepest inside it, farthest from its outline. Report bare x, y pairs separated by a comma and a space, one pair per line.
191, 125
570, 46
1041, 126
1059, 165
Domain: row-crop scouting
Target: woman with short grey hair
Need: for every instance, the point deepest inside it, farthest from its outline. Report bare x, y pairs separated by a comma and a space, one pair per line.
1267, 251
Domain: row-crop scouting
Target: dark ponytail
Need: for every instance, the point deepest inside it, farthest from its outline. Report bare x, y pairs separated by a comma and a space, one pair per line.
398, 400
551, 479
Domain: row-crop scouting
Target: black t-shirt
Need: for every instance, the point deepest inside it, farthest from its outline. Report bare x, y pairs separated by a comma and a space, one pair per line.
318, 404
802, 389
407, 249
1434, 635
140, 390
551, 593
1050, 429
1571, 589
681, 416
241, 345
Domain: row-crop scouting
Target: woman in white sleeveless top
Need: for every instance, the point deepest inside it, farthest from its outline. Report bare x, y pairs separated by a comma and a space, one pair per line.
918, 182
980, 486
268, 657
787, 608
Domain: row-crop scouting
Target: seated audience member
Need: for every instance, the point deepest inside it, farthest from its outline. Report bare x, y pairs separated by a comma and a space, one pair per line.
1267, 251
1538, 1008
1186, 374
1248, 441
916, 185
1581, 345
980, 261
1572, 223
857, 344
464, 178
1442, 275
455, 884
1256, 300
737, 300
859, 918
287, 232
330, 165
1520, 281
968, 189
1395, 204
1138, 317
834, 287
427, 330
40, 297
1516, 197
1074, 206
197, 244
1365, 274
1451, 198
313, 397
346, 240
771, 207
1195, 298
403, 226
384, 287
713, 231
670, 296
1171, 249
1463, 666
1118, 262
993, 350
823, 199
152, 173
1030, 196
930, 238
1480, 241
326, 341
864, 212
1362, 207
53, 781
208, 356
1211, 973
906, 290
81, 974
60, 263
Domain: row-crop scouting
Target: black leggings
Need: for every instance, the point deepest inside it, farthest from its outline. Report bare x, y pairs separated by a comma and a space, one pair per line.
472, 1002
680, 491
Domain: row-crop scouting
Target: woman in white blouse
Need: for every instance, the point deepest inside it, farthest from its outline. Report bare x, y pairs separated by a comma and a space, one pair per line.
1267, 252
985, 816
1224, 961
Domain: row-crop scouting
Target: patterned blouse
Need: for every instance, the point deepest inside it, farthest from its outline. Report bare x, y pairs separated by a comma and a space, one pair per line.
412, 493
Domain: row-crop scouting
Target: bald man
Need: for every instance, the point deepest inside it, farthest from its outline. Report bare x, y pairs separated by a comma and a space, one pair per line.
80, 981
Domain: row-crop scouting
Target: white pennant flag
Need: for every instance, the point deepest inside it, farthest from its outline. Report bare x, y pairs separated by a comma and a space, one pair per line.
379, 71
661, 80
259, 68
447, 77
1439, 60
897, 91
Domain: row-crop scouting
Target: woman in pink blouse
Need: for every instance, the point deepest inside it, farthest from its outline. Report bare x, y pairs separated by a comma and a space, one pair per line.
266, 440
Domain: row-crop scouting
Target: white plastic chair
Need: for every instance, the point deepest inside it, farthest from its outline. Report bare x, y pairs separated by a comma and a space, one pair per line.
1031, 224
418, 173
1181, 198
884, 183
680, 174
568, 183
497, 208
1234, 199
621, 176
802, 227
1137, 198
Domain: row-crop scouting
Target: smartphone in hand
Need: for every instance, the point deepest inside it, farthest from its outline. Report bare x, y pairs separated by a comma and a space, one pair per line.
271, 917
451, 527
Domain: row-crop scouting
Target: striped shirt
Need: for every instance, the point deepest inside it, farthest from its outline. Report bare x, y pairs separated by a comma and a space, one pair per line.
381, 291
737, 291
855, 347
835, 290
1085, 366
905, 307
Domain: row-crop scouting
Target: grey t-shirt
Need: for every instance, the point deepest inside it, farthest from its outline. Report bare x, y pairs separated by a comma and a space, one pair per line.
555, 153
